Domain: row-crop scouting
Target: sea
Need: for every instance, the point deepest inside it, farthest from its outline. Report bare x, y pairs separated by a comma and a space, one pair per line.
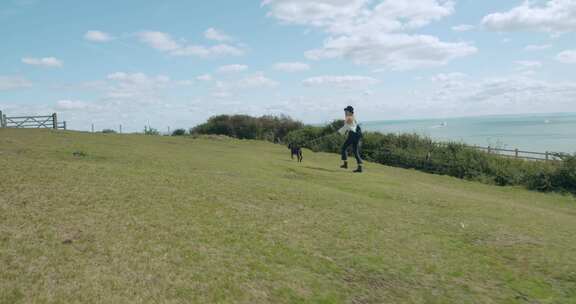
528, 132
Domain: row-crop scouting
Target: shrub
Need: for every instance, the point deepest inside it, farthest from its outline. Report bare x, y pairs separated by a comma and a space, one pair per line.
541, 181
564, 178
150, 131
179, 132
270, 128
303, 136
109, 131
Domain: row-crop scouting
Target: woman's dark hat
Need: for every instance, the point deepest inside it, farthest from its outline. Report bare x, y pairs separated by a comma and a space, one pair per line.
349, 109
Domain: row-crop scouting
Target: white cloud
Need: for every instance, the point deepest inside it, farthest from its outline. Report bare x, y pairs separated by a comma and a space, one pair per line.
164, 42
313, 12
528, 64
368, 93
448, 77
214, 34
97, 36
256, 81
412, 14
347, 81
229, 88
75, 105
158, 40
450, 81
222, 90
130, 99
503, 94
205, 77
291, 67
568, 56
393, 51
50, 62
553, 16
537, 47
184, 82
232, 68
12, 82
221, 94
463, 28
139, 78
208, 51
372, 34
352, 16
139, 87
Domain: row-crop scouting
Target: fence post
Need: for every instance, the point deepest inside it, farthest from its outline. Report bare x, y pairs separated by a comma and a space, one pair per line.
1, 120
64, 125
489, 149
92, 128
516, 152
547, 155
54, 121
4, 121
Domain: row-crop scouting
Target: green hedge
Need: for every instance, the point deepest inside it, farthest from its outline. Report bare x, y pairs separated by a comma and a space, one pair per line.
412, 151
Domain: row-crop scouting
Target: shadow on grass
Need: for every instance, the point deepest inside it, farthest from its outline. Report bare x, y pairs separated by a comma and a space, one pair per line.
322, 169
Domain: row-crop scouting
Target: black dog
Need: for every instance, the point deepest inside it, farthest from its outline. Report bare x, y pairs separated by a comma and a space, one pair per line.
295, 150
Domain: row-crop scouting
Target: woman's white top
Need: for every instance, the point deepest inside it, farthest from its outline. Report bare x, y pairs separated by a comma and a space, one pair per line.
349, 126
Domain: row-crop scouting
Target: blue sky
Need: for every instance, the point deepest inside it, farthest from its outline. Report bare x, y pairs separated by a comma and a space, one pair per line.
175, 63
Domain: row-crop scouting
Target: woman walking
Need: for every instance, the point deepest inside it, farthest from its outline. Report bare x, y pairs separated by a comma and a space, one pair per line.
354, 133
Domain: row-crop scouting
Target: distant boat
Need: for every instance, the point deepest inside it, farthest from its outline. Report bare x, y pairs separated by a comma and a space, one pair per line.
441, 125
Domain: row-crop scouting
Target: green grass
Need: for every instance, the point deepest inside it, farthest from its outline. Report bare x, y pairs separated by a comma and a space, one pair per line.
179, 220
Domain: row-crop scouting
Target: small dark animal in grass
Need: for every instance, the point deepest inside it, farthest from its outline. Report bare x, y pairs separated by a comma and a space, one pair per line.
295, 150
79, 154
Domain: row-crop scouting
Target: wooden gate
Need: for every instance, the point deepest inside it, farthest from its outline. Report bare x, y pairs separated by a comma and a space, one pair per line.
49, 122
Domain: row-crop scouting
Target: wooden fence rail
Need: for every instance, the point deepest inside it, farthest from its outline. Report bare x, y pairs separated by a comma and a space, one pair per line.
515, 153
48, 121
520, 154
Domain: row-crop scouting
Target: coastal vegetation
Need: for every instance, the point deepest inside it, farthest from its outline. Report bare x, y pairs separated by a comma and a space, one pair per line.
410, 151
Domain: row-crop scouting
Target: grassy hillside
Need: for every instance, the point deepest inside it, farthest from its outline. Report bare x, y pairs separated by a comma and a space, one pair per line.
180, 220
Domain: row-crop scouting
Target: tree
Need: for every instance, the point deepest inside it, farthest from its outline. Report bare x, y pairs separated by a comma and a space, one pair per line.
179, 132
